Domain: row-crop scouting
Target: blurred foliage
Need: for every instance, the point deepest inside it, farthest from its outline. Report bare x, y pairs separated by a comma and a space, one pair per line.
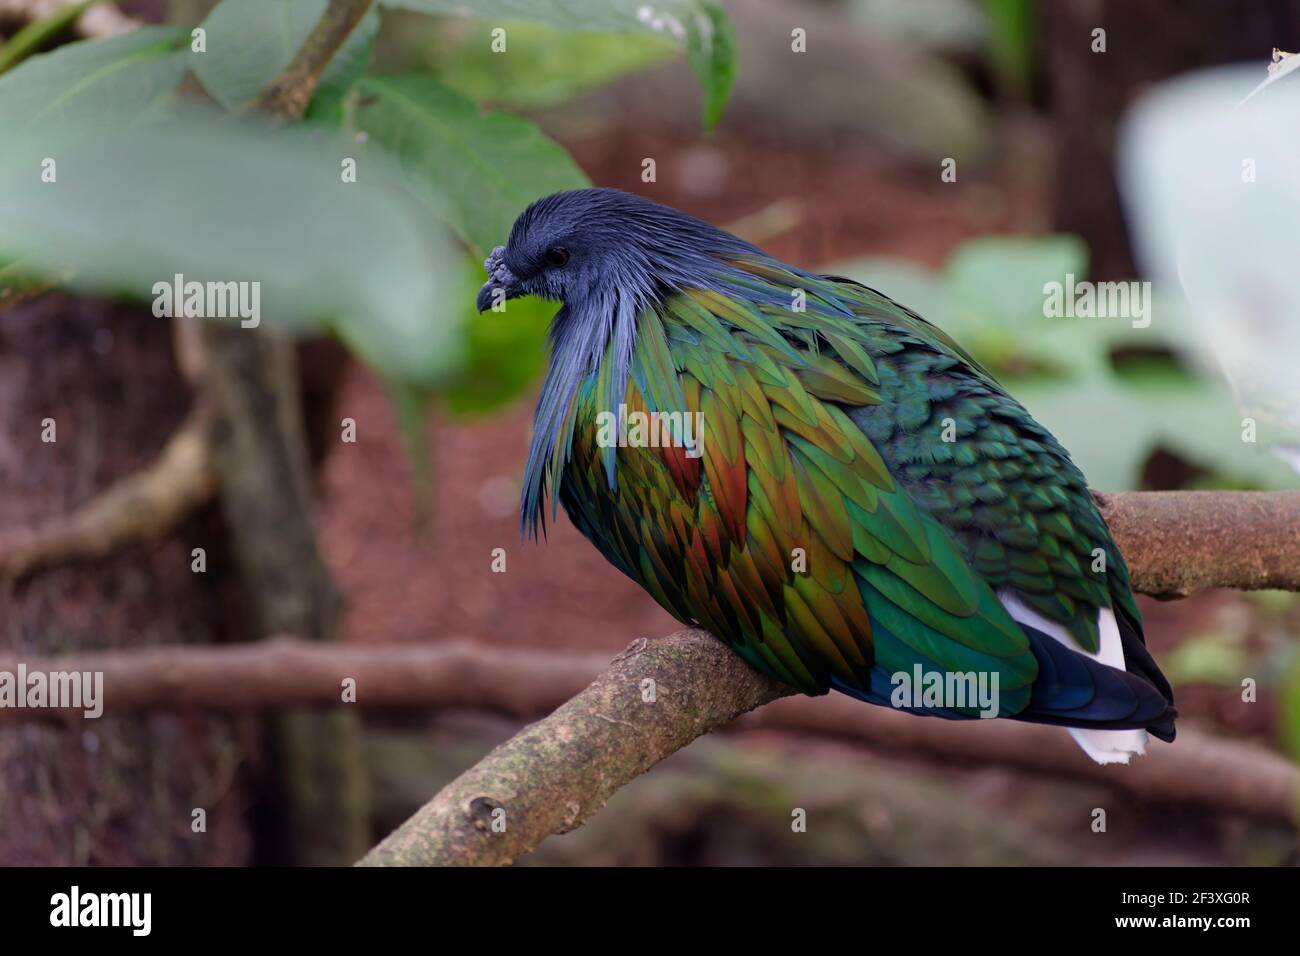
111, 82
477, 169
1227, 137
40, 32
1291, 712
474, 170
348, 66
1250, 635
932, 25
219, 199
505, 351
1215, 657
254, 40
248, 44
546, 66
699, 27
711, 50
1113, 394
1011, 44
1001, 32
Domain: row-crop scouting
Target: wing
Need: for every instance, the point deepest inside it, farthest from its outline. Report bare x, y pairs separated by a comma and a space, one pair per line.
1006, 488
1022, 515
1003, 485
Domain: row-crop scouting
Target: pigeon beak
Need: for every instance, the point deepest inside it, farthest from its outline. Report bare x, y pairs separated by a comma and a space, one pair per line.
492, 293
501, 284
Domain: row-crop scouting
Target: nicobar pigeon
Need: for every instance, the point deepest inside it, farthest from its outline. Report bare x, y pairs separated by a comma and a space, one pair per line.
822, 407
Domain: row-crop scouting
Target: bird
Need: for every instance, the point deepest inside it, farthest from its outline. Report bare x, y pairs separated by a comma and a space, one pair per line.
820, 477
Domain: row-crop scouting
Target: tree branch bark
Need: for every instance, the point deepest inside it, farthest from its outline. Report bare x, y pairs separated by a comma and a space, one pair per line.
288, 96
609, 733
139, 507
653, 700
555, 773
1179, 542
1176, 543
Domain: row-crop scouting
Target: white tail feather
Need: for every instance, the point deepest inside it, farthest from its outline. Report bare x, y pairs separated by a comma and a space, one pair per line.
1110, 746
1103, 746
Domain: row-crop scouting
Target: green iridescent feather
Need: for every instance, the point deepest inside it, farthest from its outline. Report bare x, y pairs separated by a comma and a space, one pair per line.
864, 490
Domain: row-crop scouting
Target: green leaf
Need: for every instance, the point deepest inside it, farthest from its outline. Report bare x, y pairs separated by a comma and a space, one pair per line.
934, 26
219, 199
1289, 724
505, 352
989, 295
1111, 457
711, 50
1004, 276
348, 65
37, 33
1011, 43
477, 169
249, 43
101, 82
546, 66
1209, 658
700, 27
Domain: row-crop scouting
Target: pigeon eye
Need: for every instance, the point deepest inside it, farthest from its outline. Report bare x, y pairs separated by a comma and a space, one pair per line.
557, 256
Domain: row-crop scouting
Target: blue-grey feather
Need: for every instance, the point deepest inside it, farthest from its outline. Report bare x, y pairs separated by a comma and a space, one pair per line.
627, 255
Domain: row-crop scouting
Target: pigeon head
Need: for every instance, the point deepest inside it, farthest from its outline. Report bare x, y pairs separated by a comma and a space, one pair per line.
591, 246
608, 256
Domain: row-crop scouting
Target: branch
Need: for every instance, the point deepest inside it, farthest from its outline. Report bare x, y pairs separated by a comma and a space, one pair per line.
103, 20
284, 671
655, 698
142, 506
288, 96
555, 773
608, 734
1180, 542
